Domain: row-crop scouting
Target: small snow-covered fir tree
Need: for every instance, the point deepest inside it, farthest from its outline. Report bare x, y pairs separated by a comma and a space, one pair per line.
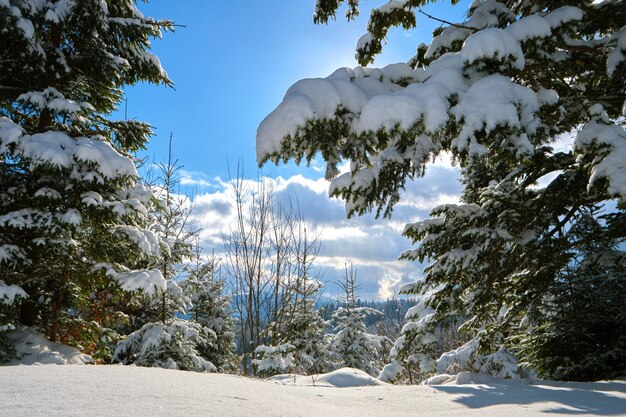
211, 308
172, 345
352, 345
301, 326
172, 224
273, 360
204, 342
73, 217
414, 352
311, 350
500, 92
169, 221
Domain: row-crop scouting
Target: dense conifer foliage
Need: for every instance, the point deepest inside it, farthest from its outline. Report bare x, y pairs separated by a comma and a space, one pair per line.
74, 221
529, 98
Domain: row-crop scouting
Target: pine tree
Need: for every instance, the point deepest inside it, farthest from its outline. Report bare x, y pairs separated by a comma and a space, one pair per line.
579, 332
173, 345
73, 216
352, 345
211, 308
498, 92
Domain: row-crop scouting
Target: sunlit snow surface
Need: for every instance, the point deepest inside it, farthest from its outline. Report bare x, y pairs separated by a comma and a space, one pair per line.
341, 378
52, 390
34, 349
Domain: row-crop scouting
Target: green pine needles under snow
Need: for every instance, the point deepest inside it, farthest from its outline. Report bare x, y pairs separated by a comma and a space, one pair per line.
529, 269
526, 275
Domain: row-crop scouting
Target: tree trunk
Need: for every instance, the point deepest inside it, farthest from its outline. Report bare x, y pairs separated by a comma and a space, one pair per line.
28, 312
58, 302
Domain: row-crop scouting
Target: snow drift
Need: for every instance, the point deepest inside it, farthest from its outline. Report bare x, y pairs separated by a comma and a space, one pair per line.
341, 378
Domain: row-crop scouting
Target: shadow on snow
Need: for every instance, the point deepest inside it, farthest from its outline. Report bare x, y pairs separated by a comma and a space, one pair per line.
574, 398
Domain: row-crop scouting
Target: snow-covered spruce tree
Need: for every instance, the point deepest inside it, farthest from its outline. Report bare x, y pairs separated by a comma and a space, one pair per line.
169, 221
173, 226
211, 308
73, 217
300, 326
273, 360
582, 335
175, 344
204, 343
308, 334
352, 345
498, 92
427, 340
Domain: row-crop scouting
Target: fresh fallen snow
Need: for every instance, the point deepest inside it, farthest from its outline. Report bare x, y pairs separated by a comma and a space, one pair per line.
34, 349
126, 390
492, 43
341, 378
8, 293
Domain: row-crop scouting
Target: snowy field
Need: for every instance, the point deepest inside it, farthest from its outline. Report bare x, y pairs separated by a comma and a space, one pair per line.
53, 390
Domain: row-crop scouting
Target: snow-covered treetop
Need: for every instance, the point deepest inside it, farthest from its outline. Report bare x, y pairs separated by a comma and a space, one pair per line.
68, 60
506, 82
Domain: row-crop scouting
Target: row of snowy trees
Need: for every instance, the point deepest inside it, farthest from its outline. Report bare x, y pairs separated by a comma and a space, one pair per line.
530, 264
305, 346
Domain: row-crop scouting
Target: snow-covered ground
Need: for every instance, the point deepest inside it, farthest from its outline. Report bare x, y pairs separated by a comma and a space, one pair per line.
341, 378
53, 390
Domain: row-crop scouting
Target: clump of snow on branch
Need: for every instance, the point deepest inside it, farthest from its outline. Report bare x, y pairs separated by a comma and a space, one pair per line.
32, 348
150, 281
10, 293
58, 149
612, 139
493, 44
271, 360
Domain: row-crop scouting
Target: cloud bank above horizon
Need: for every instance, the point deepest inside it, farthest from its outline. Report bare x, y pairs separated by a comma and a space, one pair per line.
371, 245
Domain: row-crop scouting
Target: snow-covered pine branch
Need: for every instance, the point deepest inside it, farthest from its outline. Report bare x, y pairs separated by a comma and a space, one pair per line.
499, 92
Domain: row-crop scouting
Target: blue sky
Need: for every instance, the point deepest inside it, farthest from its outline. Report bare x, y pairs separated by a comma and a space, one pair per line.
231, 65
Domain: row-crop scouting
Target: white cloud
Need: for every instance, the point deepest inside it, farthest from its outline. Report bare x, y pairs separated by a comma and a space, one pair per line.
389, 286
195, 179
371, 245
